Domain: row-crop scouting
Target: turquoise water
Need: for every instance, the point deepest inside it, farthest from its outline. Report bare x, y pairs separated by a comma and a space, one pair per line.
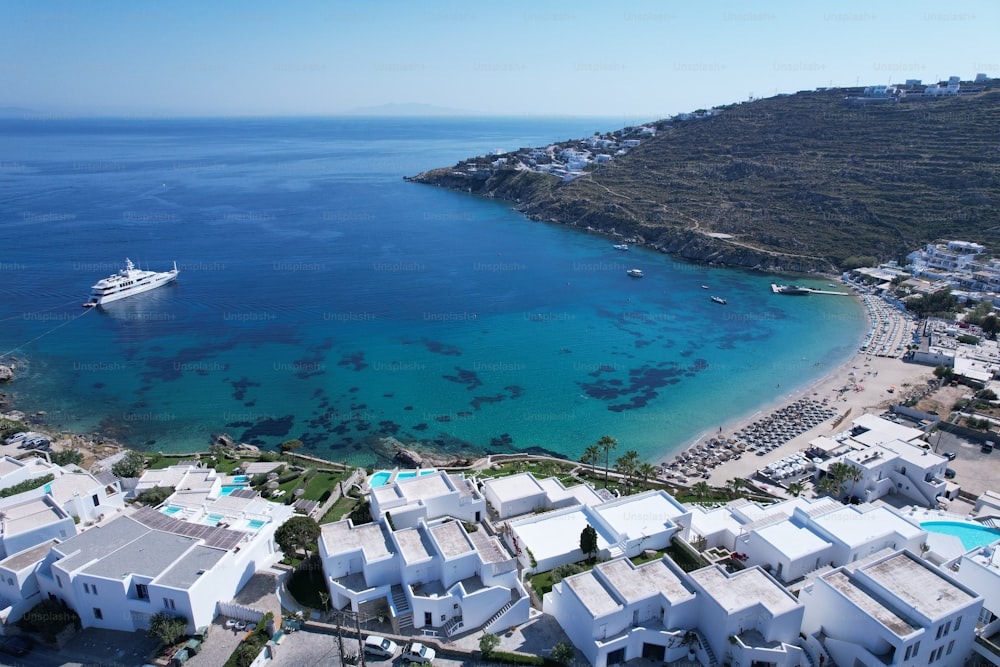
229, 488
241, 479
972, 536
212, 519
380, 478
256, 524
323, 298
171, 510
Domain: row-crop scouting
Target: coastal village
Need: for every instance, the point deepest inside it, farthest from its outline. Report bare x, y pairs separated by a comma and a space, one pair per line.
856, 523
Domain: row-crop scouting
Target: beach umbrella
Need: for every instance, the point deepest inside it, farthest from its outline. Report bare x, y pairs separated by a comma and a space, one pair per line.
299, 492
272, 485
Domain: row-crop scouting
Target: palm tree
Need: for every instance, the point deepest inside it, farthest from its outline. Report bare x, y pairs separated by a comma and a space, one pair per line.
626, 465
796, 488
591, 455
853, 475
607, 443
734, 485
701, 490
646, 470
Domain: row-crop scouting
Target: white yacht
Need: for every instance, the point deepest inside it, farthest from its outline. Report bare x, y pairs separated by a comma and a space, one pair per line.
621, 246
127, 282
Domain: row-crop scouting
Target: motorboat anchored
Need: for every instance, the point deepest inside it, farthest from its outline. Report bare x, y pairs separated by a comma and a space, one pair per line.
621, 246
635, 273
128, 281
719, 299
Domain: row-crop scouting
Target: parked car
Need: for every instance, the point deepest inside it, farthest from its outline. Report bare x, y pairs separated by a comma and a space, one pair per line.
949, 473
987, 447
18, 645
380, 646
17, 438
35, 442
419, 653
949, 455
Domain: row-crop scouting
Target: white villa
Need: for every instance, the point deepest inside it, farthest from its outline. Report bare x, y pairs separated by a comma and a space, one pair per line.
890, 458
892, 610
522, 493
183, 559
624, 527
419, 566
425, 497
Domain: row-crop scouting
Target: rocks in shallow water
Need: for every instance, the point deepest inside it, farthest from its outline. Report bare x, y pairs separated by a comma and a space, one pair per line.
6, 373
409, 458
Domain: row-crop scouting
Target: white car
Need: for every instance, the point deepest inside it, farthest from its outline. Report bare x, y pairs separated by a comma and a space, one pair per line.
380, 646
417, 652
19, 437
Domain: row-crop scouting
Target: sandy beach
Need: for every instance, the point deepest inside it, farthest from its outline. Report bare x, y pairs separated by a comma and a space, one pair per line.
865, 383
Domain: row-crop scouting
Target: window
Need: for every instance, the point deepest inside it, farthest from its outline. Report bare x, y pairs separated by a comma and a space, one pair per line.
916, 650
93, 589
142, 591
951, 645
907, 656
168, 604
96, 499
98, 614
947, 628
86, 588
958, 622
58, 581
940, 632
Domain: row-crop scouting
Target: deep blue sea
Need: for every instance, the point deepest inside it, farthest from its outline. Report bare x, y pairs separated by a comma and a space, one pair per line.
323, 298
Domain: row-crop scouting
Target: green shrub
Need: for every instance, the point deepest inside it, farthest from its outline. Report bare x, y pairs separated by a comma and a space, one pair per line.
48, 618
26, 485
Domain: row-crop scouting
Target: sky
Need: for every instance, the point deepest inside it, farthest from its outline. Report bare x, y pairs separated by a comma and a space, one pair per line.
632, 59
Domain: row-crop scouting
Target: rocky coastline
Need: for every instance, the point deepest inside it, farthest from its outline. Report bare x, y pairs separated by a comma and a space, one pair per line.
530, 195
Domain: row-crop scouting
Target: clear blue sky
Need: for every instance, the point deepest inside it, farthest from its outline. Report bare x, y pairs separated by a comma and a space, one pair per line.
636, 60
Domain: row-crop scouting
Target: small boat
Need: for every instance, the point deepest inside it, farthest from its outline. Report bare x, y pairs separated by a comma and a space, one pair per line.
719, 299
635, 273
704, 286
621, 246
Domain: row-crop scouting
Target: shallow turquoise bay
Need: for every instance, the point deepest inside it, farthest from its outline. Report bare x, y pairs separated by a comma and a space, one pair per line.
323, 298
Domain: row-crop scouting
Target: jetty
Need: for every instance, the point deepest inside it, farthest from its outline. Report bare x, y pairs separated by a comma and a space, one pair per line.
800, 291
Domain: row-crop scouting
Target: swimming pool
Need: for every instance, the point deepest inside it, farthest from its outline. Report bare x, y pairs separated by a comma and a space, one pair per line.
406, 474
241, 479
256, 524
971, 535
383, 477
229, 488
171, 510
212, 519
379, 478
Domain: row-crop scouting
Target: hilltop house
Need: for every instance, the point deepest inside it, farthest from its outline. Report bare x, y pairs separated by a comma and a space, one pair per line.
427, 497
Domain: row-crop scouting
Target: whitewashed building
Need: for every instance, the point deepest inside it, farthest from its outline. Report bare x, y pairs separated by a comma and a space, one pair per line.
435, 576
427, 497
618, 611
626, 526
893, 610
523, 493
120, 572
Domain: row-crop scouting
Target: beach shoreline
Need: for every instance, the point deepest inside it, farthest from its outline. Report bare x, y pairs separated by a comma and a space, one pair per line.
864, 383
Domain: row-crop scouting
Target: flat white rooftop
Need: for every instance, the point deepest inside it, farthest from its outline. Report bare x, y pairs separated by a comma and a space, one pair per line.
793, 541
633, 584
705, 522
856, 527
744, 589
514, 487
582, 493
644, 514
882, 430
30, 515
556, 533
868, 604
423, 487
343, 537
412, 546
451, 539
592, 593
918, 586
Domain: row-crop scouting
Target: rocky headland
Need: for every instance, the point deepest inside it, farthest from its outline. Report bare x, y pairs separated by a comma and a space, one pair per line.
813, 182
